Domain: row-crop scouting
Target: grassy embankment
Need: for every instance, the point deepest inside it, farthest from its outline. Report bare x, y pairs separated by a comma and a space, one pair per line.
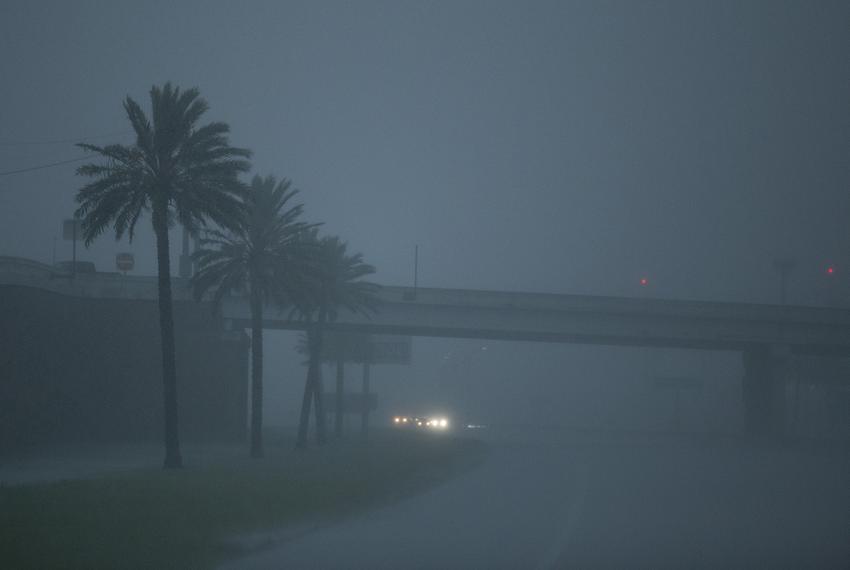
180, 519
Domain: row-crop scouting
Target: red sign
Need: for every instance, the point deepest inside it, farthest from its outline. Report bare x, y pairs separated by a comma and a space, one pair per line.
125, 261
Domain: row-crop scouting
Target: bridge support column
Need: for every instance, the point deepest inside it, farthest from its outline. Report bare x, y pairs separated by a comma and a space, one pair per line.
764, 392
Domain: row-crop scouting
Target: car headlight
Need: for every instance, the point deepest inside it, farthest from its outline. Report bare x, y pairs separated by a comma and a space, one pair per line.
444, 422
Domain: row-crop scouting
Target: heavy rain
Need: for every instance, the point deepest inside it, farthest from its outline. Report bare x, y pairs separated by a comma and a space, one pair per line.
435, 284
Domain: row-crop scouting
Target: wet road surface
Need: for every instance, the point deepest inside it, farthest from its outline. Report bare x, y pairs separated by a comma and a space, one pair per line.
547, 499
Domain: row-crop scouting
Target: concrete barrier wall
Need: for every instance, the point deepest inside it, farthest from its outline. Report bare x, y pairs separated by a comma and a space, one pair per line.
84, 370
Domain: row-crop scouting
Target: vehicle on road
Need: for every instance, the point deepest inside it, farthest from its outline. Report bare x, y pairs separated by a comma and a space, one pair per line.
421, 422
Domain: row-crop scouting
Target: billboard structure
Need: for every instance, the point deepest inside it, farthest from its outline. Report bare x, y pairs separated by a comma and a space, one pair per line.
363, 348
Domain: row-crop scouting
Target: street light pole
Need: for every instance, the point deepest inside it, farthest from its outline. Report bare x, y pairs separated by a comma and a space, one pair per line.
784, 266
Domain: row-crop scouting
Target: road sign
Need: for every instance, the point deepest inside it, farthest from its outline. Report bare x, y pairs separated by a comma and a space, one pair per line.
71, 230
390, 349
125, 261
375, 349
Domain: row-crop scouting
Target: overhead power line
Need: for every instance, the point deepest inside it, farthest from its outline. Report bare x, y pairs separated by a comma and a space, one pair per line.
43, 166
65, 141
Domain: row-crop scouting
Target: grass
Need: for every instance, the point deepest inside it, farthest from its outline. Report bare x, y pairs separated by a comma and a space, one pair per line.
181, 519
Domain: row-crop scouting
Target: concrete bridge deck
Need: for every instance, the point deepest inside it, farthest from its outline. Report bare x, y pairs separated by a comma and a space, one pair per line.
513, 315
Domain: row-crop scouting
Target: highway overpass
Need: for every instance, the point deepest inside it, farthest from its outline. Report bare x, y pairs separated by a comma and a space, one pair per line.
766, 335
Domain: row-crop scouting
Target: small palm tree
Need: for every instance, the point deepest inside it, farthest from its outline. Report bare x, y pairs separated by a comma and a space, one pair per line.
176, 170
262, 252
337, 284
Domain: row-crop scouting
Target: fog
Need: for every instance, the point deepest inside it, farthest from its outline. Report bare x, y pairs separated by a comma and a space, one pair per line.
564, 147
619, 152
524, 383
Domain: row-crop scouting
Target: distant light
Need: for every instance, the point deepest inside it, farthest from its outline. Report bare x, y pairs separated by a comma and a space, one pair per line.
397, 420
830, 270
644, 281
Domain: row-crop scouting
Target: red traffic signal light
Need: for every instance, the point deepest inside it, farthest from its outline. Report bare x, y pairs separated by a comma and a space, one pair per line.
644, 281
830, 270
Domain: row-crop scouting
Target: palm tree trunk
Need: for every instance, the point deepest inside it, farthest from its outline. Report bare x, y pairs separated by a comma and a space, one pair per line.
318, 389
319, 402
364, 414
307, 400
256, 375
340, 372
173, 460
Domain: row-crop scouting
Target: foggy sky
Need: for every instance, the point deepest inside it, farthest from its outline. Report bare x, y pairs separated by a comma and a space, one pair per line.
563, 146
568, 147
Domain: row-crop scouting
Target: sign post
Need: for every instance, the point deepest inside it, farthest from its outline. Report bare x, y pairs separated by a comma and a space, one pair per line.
364, 349
70, 231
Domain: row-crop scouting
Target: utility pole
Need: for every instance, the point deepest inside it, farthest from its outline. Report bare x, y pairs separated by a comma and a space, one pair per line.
784, 266
415, 270
411, 295
70, 230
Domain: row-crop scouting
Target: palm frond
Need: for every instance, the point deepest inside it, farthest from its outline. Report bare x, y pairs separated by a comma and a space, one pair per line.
259, 246
191, 171
335, 281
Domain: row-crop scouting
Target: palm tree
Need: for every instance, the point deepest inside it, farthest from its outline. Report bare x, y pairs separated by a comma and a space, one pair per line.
177, 171
338, 284
262, 252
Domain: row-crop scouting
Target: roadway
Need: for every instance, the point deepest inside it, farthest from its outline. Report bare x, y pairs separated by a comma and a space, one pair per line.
557, 500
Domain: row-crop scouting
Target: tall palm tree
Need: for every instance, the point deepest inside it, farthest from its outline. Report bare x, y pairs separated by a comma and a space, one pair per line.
176, 170
338, 284
264, 254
